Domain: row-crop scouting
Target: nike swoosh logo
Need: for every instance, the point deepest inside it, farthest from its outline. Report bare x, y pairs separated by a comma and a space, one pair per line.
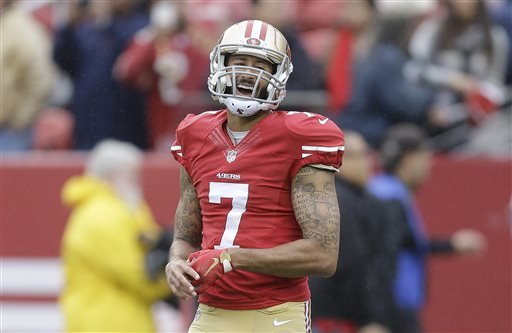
281, 323
215, 263
323, 121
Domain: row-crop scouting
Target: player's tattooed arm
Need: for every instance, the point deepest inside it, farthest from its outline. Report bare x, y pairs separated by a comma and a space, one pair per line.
316, 207
317, 213
187, 239
187, 221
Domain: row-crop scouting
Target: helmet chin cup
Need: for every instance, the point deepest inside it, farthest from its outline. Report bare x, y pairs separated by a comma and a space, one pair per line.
242, 107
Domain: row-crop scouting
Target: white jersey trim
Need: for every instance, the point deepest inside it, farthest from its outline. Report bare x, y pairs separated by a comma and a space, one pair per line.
324, 149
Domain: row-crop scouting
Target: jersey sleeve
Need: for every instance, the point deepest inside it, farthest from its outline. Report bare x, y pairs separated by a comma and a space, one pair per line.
318, 140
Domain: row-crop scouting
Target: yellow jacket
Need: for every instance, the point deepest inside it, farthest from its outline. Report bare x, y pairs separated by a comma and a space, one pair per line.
106, 288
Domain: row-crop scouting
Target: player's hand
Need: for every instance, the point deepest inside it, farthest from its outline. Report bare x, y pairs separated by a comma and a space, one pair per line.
211, 265
469, 241
463, 83
179, 273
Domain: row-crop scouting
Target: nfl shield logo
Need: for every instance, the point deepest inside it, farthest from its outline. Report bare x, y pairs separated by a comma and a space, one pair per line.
231, 156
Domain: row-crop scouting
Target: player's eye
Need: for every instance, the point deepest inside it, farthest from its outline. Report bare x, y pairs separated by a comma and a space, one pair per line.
239, 63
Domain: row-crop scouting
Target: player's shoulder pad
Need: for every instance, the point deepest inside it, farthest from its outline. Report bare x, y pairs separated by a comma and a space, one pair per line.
313, 139
197, 123
309, 124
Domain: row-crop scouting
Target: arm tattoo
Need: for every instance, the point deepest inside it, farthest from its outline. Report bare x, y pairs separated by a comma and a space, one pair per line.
187, 222
316, 206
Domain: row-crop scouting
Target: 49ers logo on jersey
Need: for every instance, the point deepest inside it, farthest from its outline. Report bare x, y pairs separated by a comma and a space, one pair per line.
253, 41
223, 175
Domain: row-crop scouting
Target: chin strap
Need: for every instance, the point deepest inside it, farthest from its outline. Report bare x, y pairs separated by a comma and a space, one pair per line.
243, 108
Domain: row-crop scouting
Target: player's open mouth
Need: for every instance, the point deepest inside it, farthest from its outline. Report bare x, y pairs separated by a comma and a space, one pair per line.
244, 89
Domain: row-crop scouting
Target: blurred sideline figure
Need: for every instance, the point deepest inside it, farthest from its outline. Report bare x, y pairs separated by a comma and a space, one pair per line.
104, 247
27, 76
405, 159
358, 296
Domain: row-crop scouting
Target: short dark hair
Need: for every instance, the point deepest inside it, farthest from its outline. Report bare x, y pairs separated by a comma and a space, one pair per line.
399, 141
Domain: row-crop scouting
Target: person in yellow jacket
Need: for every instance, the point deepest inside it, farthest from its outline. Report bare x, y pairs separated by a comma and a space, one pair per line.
106, 286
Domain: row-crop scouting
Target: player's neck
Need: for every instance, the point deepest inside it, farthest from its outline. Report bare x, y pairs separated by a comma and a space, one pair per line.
243, 124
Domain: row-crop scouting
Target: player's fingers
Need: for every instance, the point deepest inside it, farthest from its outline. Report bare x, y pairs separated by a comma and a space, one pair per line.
180, 294
182, 283
183, 293
190, 271
179, 289
173, 273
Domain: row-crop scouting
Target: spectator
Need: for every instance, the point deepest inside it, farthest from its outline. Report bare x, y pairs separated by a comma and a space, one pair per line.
27, 76
502, 16
463, 57
86, 47
205, 22
314, 21
307, 73
405, 160
365, 78
493, 137
104, 245
358, 296
162, 62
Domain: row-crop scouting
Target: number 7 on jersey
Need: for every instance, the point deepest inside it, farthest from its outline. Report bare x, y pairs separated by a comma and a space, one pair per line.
239, 193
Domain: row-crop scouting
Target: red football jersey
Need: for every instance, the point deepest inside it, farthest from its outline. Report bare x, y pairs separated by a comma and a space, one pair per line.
245, 193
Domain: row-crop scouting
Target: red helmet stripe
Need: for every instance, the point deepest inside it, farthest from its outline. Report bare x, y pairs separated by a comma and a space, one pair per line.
263, 31
248, 29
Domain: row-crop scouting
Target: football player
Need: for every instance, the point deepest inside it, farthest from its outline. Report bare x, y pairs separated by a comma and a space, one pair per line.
258, 211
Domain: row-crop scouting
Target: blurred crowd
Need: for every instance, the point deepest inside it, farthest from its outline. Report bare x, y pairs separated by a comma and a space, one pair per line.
77, 72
